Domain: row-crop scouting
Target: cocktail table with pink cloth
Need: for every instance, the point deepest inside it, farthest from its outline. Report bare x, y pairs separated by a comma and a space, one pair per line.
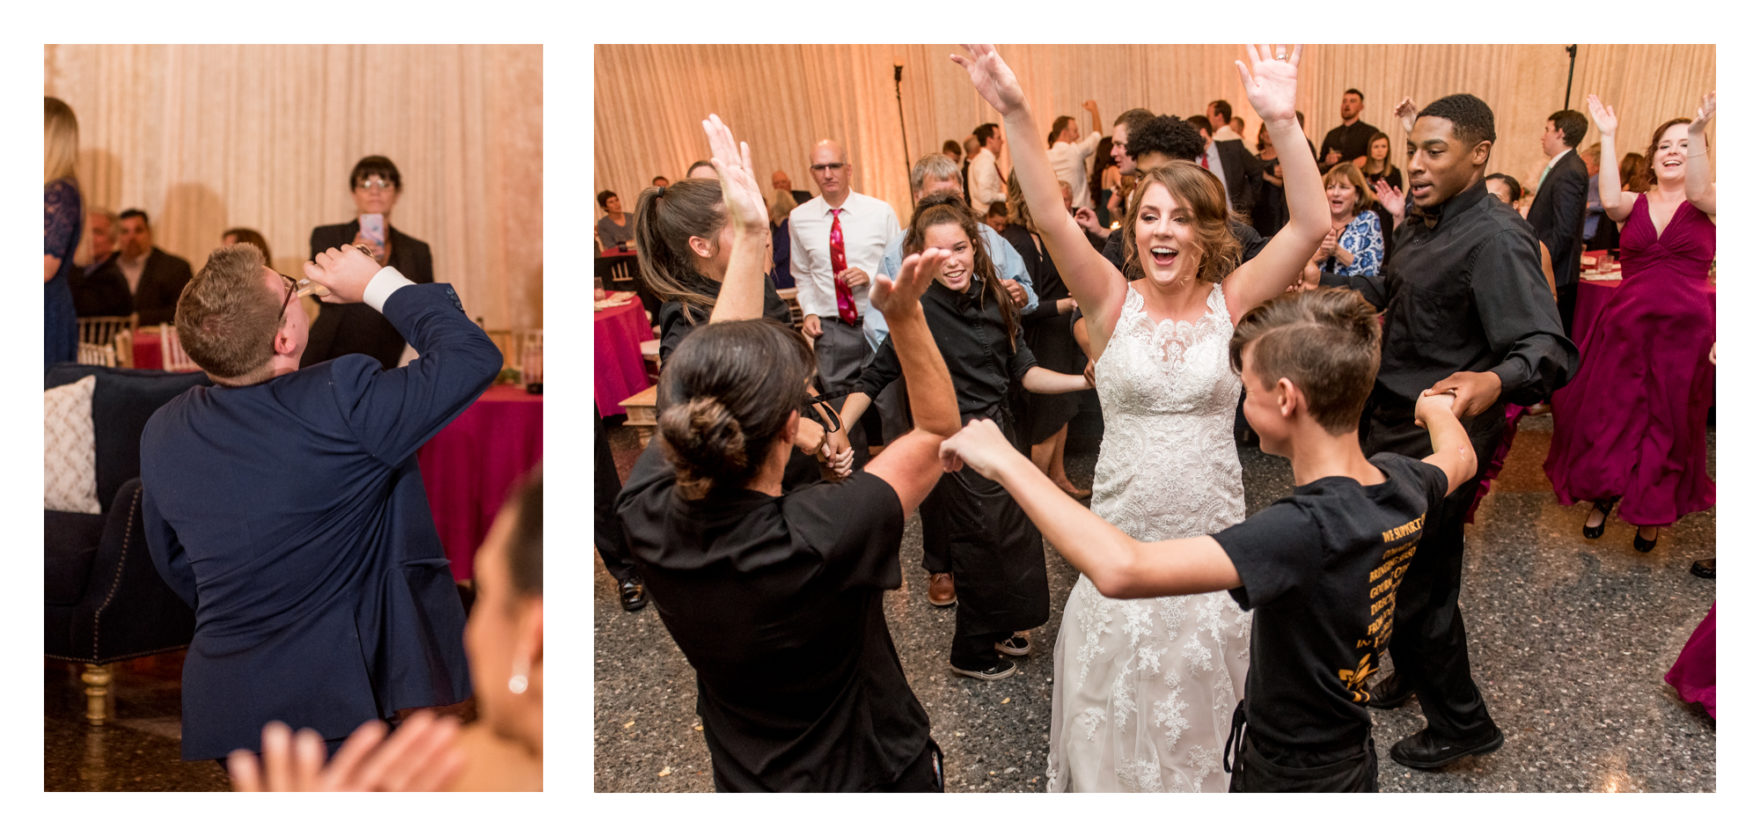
619, 330
470, 466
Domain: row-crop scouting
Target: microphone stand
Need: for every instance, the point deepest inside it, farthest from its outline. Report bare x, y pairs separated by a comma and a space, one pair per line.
904, 139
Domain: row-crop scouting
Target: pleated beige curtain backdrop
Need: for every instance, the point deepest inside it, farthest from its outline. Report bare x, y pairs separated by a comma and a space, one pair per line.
649, 99
207, 137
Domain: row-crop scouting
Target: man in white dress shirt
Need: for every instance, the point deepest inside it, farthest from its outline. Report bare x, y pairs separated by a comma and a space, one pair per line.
835, 244
984, 178
1070, 152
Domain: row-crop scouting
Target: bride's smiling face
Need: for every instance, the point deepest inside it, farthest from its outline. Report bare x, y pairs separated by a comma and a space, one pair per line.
1167, 239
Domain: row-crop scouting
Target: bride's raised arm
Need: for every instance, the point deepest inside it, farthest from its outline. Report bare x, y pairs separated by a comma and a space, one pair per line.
1271, 88
1098, 287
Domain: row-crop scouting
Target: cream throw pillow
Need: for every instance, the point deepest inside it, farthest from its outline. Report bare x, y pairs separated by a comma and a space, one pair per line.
70, 461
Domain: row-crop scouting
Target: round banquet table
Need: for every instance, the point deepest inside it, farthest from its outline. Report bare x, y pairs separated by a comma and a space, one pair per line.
469, 467
618, 370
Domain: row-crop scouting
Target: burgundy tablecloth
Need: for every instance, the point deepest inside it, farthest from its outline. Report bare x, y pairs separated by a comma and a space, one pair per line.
618, 370
469, 467
146, 349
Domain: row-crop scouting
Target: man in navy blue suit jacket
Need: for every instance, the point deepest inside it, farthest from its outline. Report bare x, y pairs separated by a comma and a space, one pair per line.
285, 506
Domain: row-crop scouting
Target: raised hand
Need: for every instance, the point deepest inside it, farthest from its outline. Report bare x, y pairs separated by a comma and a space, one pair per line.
733, 166
896, 297
1707, 109
1407, 113
1391, 200
1602, 115
419, 757
1271, 81
994, 81
344, 271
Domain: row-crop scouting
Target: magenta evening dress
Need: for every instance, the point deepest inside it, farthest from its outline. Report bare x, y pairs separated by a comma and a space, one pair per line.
1694, 674
1632, 423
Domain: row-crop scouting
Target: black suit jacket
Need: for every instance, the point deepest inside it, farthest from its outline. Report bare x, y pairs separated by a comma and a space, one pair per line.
155, 298
1557, 214
1240, 173
356, 328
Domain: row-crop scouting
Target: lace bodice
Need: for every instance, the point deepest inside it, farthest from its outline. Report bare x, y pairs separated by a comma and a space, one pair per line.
1167, 464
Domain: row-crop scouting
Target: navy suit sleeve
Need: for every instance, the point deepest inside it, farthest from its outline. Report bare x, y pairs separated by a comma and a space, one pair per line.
167, 552
395, 411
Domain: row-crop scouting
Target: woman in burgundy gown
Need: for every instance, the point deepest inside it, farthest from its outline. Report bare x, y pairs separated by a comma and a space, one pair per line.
1631, 427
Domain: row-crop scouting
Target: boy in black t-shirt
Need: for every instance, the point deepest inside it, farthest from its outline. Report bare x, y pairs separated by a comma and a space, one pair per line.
1319, 568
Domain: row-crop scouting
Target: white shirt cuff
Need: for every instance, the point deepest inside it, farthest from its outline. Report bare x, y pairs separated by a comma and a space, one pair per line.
385, 282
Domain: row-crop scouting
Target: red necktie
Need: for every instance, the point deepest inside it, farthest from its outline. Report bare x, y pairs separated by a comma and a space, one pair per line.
1205, 161
846, 301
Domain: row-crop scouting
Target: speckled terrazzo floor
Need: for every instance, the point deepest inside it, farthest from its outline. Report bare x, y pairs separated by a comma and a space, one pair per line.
139, 750
1569, 639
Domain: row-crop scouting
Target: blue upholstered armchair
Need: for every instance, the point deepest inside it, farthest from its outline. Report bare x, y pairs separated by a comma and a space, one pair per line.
103, 601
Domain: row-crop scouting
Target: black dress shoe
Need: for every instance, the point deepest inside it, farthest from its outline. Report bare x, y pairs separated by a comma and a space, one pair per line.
1706, 568
1643, 545
1605, 506
1389, 693
1427, 751
631, 594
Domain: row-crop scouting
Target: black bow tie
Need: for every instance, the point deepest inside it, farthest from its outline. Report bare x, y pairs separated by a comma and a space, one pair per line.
1429, 217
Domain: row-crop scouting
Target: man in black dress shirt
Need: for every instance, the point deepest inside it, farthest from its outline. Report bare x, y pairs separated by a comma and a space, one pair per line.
1468, 312
1561, 204
1349, 141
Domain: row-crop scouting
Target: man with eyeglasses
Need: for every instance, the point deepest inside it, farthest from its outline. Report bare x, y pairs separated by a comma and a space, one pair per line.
835, 244
285, 507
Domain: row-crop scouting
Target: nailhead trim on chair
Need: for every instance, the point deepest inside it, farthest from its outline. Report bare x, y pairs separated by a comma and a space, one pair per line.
128, 533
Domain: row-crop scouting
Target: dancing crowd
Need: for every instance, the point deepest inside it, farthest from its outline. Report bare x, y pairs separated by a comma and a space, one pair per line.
1371, 321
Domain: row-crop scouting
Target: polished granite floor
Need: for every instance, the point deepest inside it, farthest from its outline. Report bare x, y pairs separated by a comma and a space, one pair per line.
136, 751
1569, 639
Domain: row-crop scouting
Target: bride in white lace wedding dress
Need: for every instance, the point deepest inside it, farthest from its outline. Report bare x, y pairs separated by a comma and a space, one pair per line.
1145, 690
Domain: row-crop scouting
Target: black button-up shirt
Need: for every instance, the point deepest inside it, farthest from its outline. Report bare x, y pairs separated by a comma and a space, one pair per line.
1466, 294
969, 330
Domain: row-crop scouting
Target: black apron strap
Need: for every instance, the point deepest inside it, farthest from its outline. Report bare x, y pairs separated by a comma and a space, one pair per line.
1237, 737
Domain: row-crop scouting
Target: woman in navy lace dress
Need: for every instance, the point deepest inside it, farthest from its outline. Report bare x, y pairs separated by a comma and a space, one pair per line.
61, 226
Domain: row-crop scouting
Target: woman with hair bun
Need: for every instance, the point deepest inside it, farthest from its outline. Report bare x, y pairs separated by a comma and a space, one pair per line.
776, 598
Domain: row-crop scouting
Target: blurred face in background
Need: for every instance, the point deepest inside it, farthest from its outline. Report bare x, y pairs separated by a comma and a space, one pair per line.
103, 237
374, 194
137, 239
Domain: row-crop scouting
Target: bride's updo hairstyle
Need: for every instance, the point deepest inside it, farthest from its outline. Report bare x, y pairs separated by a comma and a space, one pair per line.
726, 396
1327, 342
